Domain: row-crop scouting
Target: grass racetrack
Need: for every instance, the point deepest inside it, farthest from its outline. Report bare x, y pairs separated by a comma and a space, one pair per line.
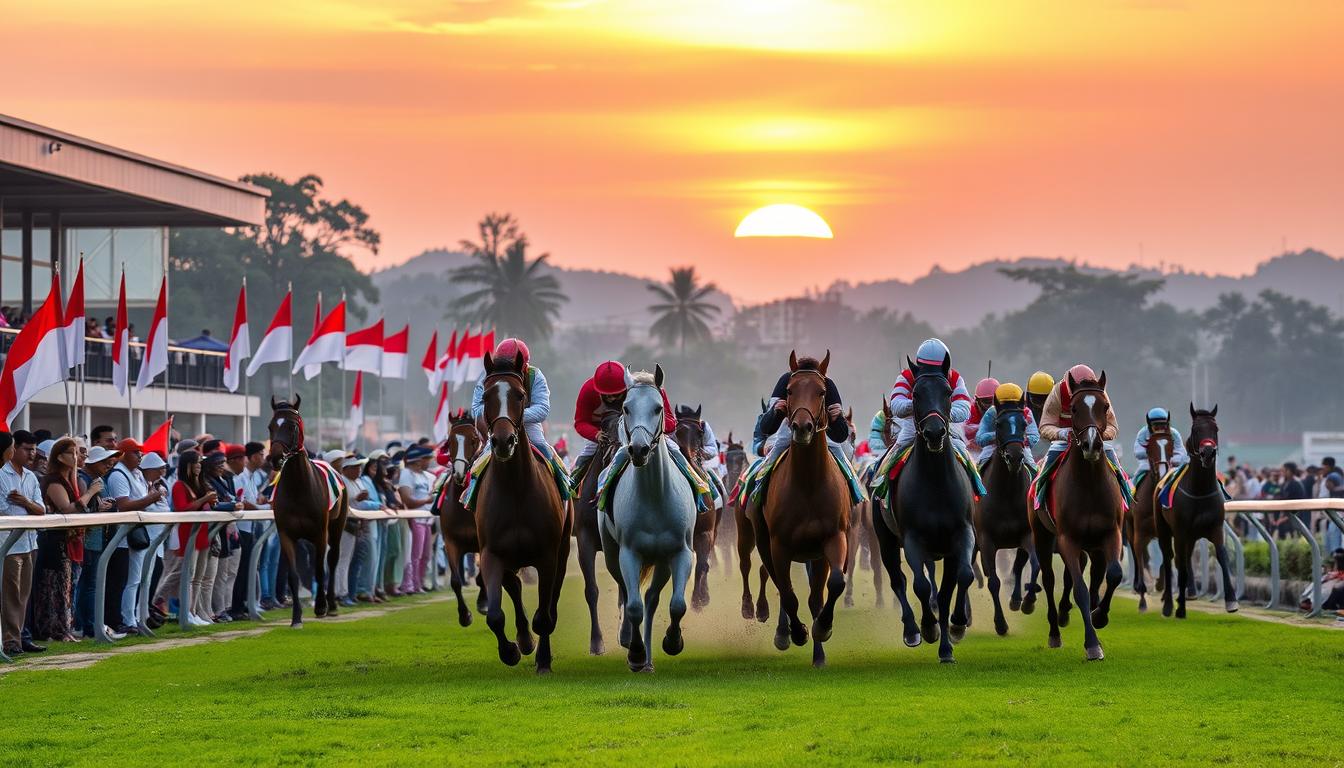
413, 688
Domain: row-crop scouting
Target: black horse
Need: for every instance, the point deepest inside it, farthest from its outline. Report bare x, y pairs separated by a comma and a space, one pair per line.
928, 515
1001, 516
1196, 513
586, 530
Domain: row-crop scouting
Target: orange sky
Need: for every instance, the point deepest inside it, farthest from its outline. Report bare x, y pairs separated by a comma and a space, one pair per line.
633, 135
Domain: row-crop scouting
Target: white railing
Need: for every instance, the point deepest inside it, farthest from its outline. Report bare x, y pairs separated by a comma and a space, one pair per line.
11, 527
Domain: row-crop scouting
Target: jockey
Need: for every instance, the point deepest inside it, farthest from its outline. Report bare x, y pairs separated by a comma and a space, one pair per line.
1159, 425
774, 424
1057, 422
709, 446
984, 400
1038, 389
602, 395
932, 352
987, 437
538, 396
879, 431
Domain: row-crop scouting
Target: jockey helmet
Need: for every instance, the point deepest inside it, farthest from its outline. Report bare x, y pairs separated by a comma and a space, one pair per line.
932, 352
609, 378
985, 389
1158, 414
1040, 383
1008, 393
1082, 372
509, 348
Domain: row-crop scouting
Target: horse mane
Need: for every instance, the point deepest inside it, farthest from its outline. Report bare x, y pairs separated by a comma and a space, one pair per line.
642, 377
809, 364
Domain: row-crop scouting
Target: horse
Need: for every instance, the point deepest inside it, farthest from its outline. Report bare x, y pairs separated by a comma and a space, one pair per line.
307, 508
734, 462
1088, 506
521, 520
806, 513
1001, 515
746, 542
928, 516
649, 528
690, 438
1196, 513
1141, 519
861, 535
586, 524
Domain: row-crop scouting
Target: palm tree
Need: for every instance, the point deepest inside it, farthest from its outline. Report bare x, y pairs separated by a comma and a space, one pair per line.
683, 314
511, 293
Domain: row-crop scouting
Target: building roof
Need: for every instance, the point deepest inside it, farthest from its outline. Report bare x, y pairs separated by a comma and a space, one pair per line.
95, 185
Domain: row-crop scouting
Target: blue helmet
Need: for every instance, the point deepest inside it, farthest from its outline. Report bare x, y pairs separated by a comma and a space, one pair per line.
932, 352
1158, 414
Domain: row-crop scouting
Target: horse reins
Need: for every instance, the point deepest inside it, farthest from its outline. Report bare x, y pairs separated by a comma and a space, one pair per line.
821, 424
919, 425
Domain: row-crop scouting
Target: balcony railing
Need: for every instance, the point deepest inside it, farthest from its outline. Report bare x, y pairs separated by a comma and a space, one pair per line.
187, 368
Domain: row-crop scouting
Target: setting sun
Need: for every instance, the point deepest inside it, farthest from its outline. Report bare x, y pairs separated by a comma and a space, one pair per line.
783, 220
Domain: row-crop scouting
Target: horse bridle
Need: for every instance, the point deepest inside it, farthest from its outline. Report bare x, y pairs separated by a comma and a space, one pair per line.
466, 460
919, 425
821, 424
1208, 441
655, 435
504, 407
296, 425
1073, 433
1019, 439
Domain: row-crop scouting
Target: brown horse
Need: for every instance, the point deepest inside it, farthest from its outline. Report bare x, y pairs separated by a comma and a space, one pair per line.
585, 525
1087, 510
746, 542
734, 461
1001, 519
690, 438
1140, 520
303, 509
806, 513
1197, 512
861, 535
521, 520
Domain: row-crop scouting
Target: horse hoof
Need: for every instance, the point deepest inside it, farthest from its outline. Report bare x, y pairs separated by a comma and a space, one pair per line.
1055, 642
1029, 605
819, 663
762, 612
644, 669
1095, 654
1143, 605
781, 641
799, 635
332, 612
1166, 610
296, 625
1001, 628
1100, 620
525, 644
508, 653
319, 612
481, 606
955, 633
1232, 606
849, 601
748, 609
1180, 612
931, 633
1014, 604
543, 671
673, 645
946, 658
597, 648
1063, 619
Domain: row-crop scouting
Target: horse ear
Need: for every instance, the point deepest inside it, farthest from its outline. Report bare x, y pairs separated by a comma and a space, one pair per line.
274, 405
297, 399
849, 415
489, 363
658, 376
763, 406
1214, 412
909, 364
793, 360
699, 409
730, 437
825, 363
947, 365
1073, 383
1192, 409
519, 363
1101, 380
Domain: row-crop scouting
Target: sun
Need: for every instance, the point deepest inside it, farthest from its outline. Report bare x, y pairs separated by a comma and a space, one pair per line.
783, 220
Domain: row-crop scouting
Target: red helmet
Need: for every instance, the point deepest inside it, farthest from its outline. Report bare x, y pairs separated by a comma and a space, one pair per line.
508, 349
609, 378
985, 389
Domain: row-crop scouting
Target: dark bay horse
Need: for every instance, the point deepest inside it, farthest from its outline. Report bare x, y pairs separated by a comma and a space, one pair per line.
690, 438
734, 461
746, 542
521, 520
928, 516
1197, 513
586, 530
805, 513
1141, 519
304, 509
1001, 515
1088, 506
860, 537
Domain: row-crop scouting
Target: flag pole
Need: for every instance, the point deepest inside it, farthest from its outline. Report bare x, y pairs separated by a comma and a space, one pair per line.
319, 382
65, 364
345, 418
168, 362
290, 290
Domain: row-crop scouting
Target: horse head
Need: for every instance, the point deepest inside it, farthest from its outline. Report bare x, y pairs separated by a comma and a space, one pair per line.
1010, 433
286, 429
1088, 405
933, 403
503, 402
690, 434
462, 445
805, 400
1159, 452
642, 415
1203, 441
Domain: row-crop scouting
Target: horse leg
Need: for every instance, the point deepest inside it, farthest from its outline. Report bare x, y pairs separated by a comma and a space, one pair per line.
704, 549
673, 641
493, 573
1101, 616
1032, 587
550, 576
1139, 551
744, 544
513, 587
889, 547
836, 556
852, 545
946, 599
1164, 544
1096, 572
290, 548
1185, 549
817, 573
782, 574
661, 574
1065, 601
914, 554
1229, 592
762, 597
588, 567
320, 568
1020, 559
454, 555
1045, 555
874, 554
631, 570
991, 570
958, 569
762, 533
1073, 562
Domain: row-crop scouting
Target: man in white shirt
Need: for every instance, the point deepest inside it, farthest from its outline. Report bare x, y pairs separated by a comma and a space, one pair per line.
127, 486
20, 494
251, 476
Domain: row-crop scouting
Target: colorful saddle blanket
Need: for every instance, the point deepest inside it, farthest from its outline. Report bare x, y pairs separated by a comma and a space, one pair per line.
889, 469
1038, 494
558, 473
332, 481
739, 493
607, 481
1166, 487
759, 477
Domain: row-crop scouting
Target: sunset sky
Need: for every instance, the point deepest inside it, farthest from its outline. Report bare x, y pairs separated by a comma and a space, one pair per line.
634, 135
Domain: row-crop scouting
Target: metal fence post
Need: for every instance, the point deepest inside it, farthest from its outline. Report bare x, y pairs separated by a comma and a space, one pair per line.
1305, 530
11, 539
1239, 552
1273, 545
100, 583
146, 575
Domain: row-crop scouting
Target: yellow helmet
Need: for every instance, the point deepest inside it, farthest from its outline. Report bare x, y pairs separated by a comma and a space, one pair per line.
1040, 383
1008, 393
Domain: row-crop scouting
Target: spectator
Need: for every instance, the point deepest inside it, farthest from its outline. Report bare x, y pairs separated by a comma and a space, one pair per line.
20, 494
397, 534
350, 565
235, 462
191, 495
366, 587
254, 490
127, 486
64, 495
1332, 487
414, 487
153, 468
224, 548
105, 436
44, 446
96, 465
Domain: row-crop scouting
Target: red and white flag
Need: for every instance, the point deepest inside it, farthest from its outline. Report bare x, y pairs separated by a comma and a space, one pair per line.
121, 343
240, 344
445, 370
327, 344
468, 347
309, 371
156, 348
364, 349
36, 358
473, 363
430, 362
158, 441
442, 417
74, 321
396, 350
278, 343
356, 420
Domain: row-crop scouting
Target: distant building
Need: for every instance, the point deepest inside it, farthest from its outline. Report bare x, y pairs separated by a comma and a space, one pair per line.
804, 324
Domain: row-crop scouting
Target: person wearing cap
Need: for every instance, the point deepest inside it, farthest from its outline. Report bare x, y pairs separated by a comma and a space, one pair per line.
1158, 426
127, 486
354, 538
538, 404
415, 488
57, 548
215, 474
1006, 394
154, 469
601, 397
96, 465
1039, 387
20, 494
932, 354
984, 399
42, 456
1057, 427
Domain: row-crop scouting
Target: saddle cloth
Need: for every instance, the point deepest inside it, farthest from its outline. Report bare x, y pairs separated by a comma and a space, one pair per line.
558, 473
1166, 487
889, 469
759, 477
606, 482
331, 481
1040, 495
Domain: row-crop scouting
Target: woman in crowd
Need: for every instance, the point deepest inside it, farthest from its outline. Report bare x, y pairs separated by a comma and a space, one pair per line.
367, 585
191, 495
63, 494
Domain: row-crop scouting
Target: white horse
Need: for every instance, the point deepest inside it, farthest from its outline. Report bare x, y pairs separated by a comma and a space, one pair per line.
649, 526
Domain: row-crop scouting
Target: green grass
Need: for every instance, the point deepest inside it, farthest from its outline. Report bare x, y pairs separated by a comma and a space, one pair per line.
413, 688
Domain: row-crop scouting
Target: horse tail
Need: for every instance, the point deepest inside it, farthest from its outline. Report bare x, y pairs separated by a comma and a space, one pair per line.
644, 573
